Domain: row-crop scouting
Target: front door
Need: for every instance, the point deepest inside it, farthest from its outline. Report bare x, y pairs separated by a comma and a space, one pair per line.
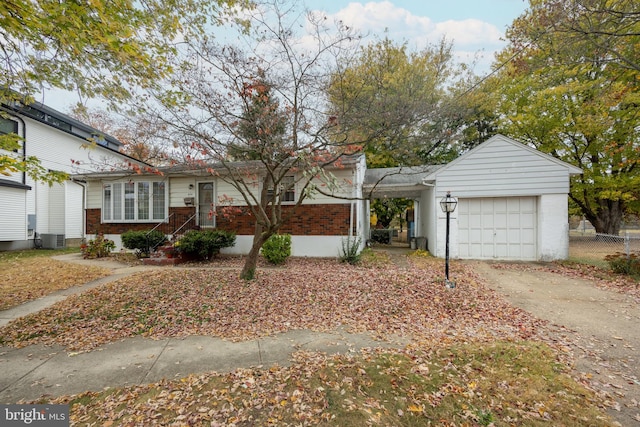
206, 205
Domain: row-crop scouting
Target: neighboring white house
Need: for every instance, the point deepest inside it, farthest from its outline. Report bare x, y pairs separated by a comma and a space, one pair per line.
54, 214
512, 202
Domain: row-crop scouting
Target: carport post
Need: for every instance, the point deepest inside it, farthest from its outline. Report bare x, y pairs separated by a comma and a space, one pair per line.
448, 204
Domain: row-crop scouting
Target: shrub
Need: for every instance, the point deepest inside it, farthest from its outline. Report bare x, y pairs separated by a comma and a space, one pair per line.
622, 264
277, 248
143, 240
351, 250
97, 248
381, 236
204, 244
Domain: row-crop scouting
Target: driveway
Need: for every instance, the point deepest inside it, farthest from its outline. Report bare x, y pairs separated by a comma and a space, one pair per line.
600, 327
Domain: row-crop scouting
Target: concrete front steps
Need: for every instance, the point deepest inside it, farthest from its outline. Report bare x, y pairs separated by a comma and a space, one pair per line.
164, 255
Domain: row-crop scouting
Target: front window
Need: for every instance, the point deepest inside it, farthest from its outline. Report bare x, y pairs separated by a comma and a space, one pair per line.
8, 126
287, 190
134, 201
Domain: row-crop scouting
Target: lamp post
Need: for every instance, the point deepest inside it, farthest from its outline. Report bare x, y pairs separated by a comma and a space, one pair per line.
448, 204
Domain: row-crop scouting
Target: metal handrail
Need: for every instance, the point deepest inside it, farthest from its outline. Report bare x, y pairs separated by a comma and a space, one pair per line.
184, 224
164, 221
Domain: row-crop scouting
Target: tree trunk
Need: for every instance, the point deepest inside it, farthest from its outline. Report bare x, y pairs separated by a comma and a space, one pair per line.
609, 217
249, 269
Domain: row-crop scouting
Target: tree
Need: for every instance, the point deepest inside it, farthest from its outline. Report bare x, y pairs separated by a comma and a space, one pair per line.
400, 108
143, 137
98, 49
389, 209
260, 121
399, 102
605, 31
576, 105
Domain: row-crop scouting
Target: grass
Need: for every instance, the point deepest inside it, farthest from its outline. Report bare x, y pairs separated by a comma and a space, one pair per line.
499, 384
31, 274
34, 253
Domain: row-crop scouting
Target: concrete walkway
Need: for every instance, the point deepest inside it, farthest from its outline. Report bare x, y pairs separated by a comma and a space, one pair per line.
118, 271
35, 371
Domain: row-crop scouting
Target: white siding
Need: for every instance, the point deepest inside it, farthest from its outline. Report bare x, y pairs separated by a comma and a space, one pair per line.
56, 209
345, 180
499, 168
41, 193
227, 195
13, 214
179, 189
94, 195
503, 171
553, 227
56, 149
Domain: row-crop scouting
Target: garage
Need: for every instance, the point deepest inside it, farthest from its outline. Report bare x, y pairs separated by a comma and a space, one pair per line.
497, 228
512, 202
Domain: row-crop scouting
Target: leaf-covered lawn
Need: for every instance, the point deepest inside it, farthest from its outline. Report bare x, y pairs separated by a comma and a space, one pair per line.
309, 294
27, 278
473, 358
497, 384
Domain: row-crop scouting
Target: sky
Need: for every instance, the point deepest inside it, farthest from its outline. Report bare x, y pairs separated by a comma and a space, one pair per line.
476, 28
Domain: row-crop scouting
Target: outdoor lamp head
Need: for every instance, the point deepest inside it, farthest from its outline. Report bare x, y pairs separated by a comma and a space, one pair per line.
448, 203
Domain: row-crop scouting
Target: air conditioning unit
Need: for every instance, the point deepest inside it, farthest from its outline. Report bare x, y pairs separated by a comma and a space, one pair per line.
53, 241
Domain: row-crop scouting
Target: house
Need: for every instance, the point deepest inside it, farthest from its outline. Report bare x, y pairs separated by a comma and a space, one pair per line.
512, 202
29, 209
177, 199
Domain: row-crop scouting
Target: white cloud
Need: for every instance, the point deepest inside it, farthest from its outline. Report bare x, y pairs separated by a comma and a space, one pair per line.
470, 32
376, 17
471, 37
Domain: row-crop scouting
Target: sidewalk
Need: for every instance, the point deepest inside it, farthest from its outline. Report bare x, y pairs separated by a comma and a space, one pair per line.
31, 372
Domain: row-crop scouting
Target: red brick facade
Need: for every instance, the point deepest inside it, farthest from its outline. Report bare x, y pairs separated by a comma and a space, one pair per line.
309, 220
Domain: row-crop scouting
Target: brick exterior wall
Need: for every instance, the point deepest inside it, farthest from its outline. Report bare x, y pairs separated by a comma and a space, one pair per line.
180, 215
309, 220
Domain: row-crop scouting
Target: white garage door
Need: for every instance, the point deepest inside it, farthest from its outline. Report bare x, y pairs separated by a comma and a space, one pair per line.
497, 228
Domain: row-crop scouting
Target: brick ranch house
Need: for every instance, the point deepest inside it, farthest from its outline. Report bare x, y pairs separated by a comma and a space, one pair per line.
512, 204
184, 198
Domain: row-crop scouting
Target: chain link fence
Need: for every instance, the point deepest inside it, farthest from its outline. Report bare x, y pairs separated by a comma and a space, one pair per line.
596, 246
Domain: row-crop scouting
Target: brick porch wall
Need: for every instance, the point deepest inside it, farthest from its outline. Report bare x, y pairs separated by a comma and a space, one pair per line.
309, 220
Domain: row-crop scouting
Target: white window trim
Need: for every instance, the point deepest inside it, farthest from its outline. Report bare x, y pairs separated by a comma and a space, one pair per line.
165, 214
294, 189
